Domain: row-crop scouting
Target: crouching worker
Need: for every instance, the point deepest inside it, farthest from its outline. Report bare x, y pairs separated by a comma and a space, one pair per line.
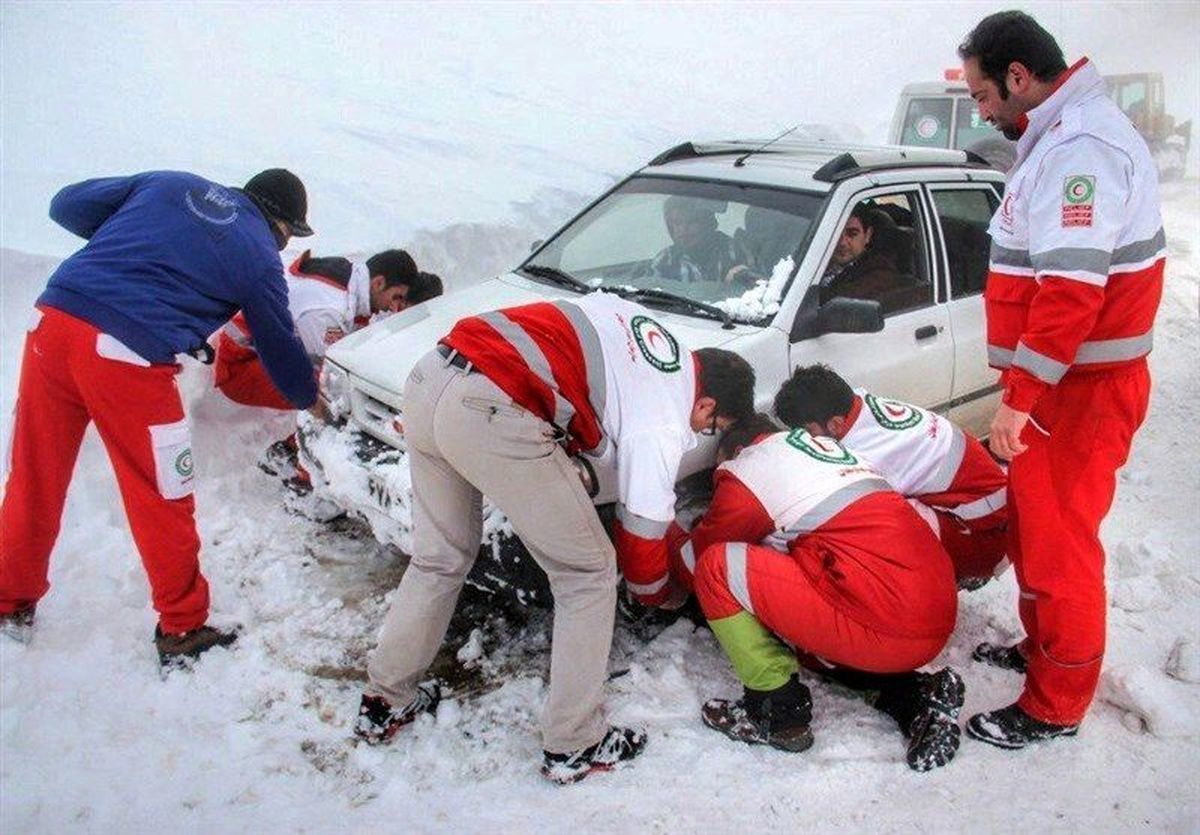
807, 550
947, 476
328, 298
497, 409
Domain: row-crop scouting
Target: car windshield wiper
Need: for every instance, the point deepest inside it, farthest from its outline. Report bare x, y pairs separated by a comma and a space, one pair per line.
559, 277
673, 300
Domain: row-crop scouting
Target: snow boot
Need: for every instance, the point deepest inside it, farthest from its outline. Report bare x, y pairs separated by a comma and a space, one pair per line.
779, 718
1011, 728
933, 734
1006, 658
179, 652
619, 745
18, 625
378, 721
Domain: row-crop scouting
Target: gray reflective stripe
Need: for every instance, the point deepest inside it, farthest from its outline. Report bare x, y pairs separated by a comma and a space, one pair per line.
1045, 368
593, 355
944, 477
834, 504
1115, 350
999, 357
647, 588
689, 556
1140, 250
535, 359
640, 525
735, 574
1073, 259
1010, 257
982, 507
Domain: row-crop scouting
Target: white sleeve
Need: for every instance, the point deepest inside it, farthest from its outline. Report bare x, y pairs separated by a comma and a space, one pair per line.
318, 329
647, 467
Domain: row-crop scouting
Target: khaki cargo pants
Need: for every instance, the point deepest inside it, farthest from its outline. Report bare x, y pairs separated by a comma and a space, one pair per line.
466, 438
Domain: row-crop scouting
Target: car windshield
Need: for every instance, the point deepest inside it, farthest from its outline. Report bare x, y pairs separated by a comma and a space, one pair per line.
722, 244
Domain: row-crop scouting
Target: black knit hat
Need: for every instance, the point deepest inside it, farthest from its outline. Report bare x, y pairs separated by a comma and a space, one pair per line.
281, 194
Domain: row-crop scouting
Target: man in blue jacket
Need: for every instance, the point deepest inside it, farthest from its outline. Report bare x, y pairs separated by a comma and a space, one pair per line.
170, 257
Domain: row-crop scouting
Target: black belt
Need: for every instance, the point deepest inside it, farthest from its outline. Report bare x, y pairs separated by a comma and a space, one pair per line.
455, 359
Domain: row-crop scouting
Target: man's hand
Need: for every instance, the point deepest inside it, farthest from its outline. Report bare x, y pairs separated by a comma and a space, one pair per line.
1005, 437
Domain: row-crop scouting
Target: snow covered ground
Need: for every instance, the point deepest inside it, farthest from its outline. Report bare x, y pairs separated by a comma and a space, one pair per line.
258, 739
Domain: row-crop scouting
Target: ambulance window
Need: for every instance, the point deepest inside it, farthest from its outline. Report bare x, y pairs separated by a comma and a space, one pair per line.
927, 123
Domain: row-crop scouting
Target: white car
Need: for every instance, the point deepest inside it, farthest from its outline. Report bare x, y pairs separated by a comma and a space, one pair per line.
744, 265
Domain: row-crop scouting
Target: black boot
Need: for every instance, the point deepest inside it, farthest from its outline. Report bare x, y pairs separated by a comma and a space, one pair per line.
1006, 658
378, 721
933, 735
779, 718
1011, 727
181, 651
18, 625
618, 746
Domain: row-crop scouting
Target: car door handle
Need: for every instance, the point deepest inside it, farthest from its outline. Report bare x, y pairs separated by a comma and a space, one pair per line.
927, 332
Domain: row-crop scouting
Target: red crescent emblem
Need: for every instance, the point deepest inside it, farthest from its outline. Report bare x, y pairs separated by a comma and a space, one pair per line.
893, 411
651, 335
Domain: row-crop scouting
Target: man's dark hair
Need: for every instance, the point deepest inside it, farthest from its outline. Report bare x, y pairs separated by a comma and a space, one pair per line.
395, 265
427, 286
865, 214
1004, 37
815, 393
743, 432
728, 379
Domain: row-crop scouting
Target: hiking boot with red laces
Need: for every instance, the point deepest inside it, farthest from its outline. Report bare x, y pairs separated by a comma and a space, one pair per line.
1006, 658
619, 746
779, 718
18, 625
378, 721
180, 651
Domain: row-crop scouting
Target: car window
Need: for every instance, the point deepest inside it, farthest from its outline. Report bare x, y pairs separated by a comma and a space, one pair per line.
880, 255
927, 122
964, 216
713, 242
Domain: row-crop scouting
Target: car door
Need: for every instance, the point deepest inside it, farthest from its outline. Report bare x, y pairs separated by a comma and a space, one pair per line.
912, 358
961, 213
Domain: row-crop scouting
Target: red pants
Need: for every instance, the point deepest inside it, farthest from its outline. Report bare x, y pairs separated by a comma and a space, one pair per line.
72, 375
1060, 489
774, 588
240, 375
975, 553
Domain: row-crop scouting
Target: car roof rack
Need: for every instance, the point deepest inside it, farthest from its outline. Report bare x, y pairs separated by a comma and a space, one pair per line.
851, 164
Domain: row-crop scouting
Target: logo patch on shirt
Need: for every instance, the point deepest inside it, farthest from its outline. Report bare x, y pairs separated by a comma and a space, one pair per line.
1079, 197
332, 335
891, 414
213, 204
823, 449
656, 344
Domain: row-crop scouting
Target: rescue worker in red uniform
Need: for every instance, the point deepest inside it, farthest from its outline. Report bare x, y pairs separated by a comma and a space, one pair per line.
497, 409
1076, 274
807, 549
169, 258
947, 476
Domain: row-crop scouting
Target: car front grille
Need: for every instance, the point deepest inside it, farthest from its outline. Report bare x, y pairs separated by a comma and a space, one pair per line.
377, 418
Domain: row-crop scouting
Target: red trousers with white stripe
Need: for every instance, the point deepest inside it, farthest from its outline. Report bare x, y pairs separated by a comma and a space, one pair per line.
1060, 490
66, 383
783, 597
239, 374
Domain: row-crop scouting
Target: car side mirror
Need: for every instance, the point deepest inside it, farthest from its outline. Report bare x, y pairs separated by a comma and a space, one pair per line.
838, 315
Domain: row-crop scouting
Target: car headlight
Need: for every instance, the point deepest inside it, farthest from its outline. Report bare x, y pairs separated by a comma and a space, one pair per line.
334, 388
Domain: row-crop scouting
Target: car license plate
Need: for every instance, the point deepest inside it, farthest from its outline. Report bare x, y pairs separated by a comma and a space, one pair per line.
377, 486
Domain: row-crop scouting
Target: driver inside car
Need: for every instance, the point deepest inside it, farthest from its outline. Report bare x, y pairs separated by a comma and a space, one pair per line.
699, 251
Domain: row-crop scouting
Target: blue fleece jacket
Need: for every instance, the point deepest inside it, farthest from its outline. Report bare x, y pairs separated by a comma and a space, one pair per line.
170, 258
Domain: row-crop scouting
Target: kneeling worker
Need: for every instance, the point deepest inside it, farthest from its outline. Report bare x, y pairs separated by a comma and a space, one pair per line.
807, 550
947, 476
497, 409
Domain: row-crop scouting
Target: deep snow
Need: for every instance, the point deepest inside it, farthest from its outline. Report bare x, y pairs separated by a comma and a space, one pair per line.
257, 739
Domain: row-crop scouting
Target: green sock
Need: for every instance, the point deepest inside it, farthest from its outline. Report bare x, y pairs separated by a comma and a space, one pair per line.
761, 660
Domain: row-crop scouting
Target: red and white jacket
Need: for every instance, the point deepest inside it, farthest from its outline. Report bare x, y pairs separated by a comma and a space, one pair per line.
1077, 244
619, 384
327, 297
875, 558
928, 459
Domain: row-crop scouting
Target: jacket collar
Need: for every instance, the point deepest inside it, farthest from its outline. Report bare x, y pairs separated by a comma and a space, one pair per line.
1080, 82
359, 291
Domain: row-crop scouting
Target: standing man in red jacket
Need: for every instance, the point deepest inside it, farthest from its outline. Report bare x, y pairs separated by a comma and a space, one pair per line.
1076, 274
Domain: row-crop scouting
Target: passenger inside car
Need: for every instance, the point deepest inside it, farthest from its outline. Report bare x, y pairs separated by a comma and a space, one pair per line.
874, 260
699, 251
